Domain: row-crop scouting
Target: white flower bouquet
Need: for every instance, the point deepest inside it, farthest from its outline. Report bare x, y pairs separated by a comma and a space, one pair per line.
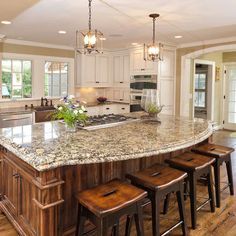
71, 112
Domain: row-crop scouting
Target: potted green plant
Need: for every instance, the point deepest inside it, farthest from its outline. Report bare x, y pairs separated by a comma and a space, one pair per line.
71, 112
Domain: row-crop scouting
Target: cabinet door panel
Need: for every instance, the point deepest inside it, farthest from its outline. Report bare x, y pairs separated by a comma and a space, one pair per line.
89, 69
138, 62
117, 69
126, 69
27, 209
102, 69
10, 185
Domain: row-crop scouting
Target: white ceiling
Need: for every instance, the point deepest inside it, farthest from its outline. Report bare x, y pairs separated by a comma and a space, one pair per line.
196, 20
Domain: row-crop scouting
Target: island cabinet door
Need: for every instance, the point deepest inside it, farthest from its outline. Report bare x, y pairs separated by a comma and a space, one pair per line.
10, 185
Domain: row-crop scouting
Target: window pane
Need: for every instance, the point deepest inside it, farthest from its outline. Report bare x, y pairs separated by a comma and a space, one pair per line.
56, 78
46, 91
27, 67
202, 83
16, 79
17, 92
6, 65
200, 99
27, 91
56, 91
16, 66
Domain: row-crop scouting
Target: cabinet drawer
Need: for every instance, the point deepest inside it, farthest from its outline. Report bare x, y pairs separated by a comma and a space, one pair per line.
123, 108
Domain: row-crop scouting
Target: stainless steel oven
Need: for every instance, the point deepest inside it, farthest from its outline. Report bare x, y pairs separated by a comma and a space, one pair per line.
137, 84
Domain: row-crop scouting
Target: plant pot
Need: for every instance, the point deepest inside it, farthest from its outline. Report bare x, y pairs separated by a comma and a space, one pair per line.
71, 127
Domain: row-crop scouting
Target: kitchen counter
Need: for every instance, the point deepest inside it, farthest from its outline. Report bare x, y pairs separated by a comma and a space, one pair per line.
47, 145
15, 110
42, 167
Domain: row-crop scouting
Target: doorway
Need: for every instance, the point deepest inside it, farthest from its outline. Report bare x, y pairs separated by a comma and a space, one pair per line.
203, 89
230, 97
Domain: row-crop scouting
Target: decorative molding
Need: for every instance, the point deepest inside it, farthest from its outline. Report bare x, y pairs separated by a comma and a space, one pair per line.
207, 42
43, 187
45, 207
37, 44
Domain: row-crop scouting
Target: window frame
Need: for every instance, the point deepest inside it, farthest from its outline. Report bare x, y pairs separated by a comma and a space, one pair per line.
196, 90
22, 60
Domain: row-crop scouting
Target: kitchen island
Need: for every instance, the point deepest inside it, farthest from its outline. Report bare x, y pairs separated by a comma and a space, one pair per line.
43, 166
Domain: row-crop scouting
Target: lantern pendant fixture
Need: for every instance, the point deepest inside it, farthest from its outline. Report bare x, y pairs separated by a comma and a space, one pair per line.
89, 41
153, 52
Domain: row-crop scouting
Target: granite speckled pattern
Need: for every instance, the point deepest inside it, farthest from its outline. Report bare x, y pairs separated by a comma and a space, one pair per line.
47, 145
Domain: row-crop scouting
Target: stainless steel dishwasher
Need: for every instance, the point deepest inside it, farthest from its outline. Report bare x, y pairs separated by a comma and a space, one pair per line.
15, 119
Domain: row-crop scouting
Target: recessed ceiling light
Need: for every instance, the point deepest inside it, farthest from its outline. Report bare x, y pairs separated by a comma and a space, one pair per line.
6, 22
61, 32
178, 36
102, 38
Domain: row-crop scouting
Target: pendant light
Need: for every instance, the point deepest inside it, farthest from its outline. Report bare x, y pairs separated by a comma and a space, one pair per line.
91, 41
153, 52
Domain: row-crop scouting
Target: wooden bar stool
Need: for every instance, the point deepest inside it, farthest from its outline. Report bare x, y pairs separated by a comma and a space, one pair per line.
105, 204
222, 155
195, 165
159, 181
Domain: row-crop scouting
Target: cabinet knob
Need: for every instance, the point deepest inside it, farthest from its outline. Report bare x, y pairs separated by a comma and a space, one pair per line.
142, 69
121, 82
97, 82
108, 108
123, 108
121, 99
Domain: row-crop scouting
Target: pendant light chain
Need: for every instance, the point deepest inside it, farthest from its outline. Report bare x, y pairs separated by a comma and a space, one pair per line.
154, 31
90, 16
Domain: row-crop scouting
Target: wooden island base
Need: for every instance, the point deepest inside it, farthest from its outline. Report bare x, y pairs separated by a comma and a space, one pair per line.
43, 203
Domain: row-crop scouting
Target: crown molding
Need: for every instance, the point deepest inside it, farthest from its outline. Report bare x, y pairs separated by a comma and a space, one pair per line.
207, 42
37, 44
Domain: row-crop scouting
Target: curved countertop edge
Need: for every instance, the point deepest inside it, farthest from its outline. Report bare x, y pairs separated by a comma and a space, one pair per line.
181, 145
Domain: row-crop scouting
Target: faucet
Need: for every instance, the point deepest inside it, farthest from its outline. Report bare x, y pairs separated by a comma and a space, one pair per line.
42, 101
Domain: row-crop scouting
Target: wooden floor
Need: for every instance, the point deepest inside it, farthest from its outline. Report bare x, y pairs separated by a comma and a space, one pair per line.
222, 222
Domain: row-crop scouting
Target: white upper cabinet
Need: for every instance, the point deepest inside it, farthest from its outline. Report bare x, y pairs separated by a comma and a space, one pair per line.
121, 70
166, 78
138, 66
94, 71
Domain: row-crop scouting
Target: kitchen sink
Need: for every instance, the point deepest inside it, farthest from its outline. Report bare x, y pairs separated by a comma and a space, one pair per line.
44, 108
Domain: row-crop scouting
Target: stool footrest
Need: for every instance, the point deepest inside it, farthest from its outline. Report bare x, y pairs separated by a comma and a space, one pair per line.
172, 228
203, 204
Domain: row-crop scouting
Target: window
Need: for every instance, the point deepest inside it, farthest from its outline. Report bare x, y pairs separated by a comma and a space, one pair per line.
200, 90
16, 78
56, 79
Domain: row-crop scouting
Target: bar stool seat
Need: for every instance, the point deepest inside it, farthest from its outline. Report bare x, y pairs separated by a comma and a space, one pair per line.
159, 181
103, 205
222, 155
195, 165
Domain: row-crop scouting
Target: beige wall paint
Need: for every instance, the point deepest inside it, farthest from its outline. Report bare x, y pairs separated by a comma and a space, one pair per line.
17, 7
182, 52
229, 57
33, 50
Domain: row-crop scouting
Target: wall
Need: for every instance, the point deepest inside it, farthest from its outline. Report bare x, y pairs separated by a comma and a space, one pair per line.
229, 57
184, 51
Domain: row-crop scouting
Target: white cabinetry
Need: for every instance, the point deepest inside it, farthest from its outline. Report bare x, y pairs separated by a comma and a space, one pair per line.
138, 66
121, 94
166, 80
121, 70
106, 109
94, 71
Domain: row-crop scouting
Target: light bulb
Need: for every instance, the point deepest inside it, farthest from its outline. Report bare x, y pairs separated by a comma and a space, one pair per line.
153, 50
90, 40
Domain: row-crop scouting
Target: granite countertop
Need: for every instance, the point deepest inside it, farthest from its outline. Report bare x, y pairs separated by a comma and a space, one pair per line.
47, 145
